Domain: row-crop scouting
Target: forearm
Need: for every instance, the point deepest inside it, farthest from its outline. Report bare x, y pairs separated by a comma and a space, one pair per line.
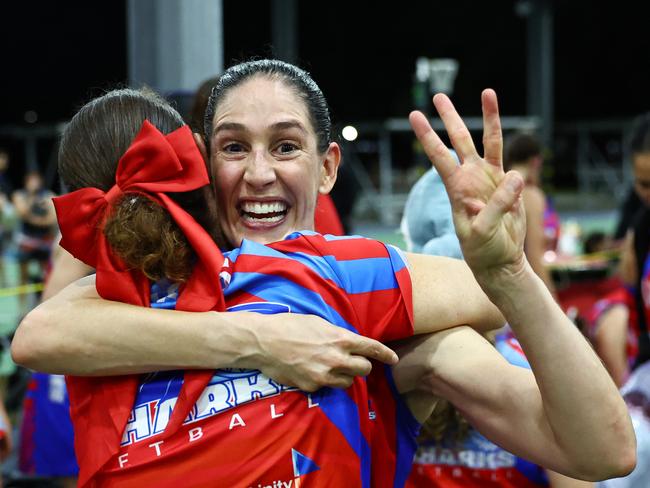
85, 335
556, 480
582, 406
78, 333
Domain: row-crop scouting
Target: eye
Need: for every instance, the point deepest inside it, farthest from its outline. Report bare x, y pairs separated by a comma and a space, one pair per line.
287, 148
233, 147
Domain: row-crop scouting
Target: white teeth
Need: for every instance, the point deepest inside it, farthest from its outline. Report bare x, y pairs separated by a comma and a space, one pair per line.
268, 220
263, 208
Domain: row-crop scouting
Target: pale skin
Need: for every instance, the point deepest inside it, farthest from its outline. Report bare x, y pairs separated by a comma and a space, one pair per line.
490, 225
566, 412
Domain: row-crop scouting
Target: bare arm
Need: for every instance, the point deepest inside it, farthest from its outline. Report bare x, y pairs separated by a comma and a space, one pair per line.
571, 406
505, 403
440, 286
66, 269
556, 480
78, 333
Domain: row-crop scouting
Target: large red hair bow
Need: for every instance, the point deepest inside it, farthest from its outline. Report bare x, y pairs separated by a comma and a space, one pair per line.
153, 165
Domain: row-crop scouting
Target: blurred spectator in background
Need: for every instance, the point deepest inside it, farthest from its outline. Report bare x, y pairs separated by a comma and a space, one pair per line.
37, 226
619, 320
427, 224
6, 211
5, 184
639, 194
197, 112
46, 434
6, 443
523, 153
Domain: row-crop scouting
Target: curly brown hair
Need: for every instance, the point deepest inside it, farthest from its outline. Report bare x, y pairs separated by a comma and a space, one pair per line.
146, 238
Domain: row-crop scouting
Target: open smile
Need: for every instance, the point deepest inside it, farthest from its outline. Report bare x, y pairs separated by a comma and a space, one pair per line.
271, 212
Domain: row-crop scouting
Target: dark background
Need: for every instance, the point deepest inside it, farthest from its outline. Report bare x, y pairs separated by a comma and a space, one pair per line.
57, 55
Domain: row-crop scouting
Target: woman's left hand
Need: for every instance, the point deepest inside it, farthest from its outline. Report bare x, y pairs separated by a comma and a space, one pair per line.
487, 208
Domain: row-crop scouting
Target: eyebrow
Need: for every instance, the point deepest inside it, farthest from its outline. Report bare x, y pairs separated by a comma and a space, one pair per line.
283, 125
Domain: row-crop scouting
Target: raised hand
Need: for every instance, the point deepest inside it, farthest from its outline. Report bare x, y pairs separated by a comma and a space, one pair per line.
486, 203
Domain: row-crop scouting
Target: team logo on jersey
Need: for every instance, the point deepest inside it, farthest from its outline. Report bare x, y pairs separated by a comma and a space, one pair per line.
226, 390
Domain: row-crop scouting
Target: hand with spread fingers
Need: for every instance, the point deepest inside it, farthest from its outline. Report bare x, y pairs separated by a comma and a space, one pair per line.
488, 212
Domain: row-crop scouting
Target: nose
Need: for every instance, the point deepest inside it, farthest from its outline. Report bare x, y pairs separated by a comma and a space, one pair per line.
259, 170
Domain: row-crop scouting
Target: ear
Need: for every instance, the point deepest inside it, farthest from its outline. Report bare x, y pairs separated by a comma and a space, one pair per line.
330, 168
200, 143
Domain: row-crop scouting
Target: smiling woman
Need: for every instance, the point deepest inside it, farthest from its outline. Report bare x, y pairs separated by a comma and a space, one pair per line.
268, 129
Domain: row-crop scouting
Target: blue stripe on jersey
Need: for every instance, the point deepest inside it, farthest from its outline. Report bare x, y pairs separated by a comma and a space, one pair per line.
407, 430
397, 258
512, 355
276, 289
361, 276
327, 237
343, 412
532, 471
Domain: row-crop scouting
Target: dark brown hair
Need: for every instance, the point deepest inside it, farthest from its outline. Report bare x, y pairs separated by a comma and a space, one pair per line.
200, 103
519, 148
294, 77
140, 232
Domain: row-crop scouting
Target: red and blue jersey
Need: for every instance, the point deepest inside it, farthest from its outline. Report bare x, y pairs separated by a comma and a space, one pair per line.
476, 462
247, 430
624, 296
46, 435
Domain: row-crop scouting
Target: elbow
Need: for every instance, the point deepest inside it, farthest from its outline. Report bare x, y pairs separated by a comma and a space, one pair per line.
618, 465
627, 462
622, 453
30, 346
623, 459
616, 460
